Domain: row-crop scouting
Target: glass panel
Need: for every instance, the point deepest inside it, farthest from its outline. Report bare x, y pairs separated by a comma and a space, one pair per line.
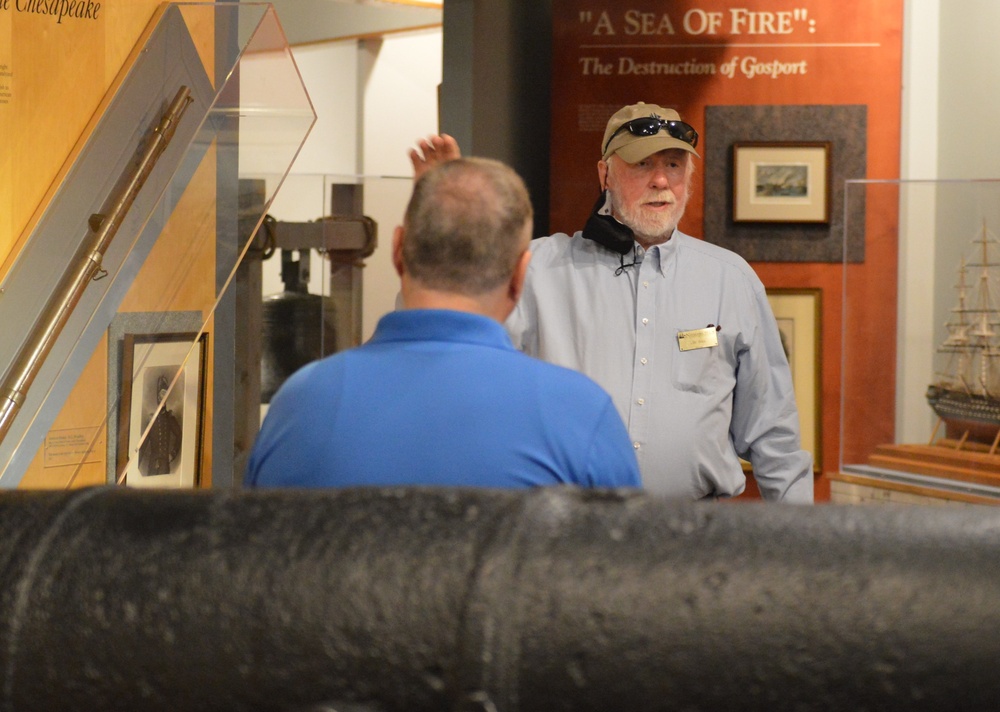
938, 363
317, 236
137, 336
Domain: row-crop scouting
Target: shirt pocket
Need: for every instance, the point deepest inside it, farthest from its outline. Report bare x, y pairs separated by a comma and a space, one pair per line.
698, 370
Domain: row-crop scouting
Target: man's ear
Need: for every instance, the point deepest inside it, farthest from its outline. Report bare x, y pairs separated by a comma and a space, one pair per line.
397, 249
602, 174
517, 278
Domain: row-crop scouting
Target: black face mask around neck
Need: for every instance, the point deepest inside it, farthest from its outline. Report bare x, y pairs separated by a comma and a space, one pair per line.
609, 233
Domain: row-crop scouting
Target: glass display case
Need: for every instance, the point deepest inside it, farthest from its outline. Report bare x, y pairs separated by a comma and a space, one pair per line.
920, 361
114, 338
310, 259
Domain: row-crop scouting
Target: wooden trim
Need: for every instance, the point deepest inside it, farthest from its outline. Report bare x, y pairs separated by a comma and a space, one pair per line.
369, 35
920, 490
429, 4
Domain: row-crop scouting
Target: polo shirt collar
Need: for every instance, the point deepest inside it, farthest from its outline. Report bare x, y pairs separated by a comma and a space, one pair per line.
441, 325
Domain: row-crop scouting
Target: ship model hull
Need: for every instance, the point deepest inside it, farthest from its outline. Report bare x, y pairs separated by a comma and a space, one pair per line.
978, 415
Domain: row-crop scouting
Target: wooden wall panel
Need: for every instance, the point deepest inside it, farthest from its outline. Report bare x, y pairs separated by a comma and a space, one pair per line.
74, 451
179, 273
6, 129
62, 71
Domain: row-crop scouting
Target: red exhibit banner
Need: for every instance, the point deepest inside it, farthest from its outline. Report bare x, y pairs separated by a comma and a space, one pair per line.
694, 54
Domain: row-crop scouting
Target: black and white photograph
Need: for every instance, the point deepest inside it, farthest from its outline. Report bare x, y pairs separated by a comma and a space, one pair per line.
160, 411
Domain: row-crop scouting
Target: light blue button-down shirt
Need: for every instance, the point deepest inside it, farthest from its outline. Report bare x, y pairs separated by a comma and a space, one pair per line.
690, 414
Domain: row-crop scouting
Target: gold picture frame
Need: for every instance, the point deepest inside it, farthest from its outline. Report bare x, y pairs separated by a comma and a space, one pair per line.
799, 314
161, 410
784, 181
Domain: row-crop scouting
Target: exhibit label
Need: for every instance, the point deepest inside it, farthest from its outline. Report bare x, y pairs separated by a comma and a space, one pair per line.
59, 10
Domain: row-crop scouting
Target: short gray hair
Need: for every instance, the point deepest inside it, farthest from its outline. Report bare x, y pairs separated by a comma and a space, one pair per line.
466, 226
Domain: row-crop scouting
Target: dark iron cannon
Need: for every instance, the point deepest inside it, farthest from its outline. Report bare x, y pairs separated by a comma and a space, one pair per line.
558, 599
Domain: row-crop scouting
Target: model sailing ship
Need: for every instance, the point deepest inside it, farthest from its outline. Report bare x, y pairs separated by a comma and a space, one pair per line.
966, 394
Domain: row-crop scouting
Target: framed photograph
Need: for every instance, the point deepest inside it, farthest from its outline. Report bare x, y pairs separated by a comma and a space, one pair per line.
161, 410
798, 313
786, 182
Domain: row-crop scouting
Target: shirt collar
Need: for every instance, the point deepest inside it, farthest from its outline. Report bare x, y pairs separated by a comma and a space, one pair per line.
658, 255
441, 325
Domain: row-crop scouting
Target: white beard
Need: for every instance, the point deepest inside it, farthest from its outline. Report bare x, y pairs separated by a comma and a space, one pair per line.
650, 227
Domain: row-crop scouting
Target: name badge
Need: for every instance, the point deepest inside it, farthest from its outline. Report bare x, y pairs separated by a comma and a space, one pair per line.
697, 338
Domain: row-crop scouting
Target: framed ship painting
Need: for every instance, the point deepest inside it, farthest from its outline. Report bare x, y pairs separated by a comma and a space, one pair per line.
785, 182
161, 410
798, 313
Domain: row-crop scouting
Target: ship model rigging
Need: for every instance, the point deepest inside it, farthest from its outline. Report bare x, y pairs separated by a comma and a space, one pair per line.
965, 393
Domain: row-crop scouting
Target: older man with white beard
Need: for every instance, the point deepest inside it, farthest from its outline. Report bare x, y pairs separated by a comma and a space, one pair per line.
677, 330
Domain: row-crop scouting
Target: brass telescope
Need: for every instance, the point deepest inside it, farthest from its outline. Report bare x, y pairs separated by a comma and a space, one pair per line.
32, 354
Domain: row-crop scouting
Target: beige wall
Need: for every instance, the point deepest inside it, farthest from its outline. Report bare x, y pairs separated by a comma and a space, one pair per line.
59, 72
55, 75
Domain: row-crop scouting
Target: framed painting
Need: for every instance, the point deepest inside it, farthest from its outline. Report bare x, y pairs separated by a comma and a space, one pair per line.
785, 182
161, 410
798, 313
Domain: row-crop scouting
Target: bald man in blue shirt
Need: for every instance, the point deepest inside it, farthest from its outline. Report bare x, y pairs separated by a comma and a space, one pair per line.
439, 395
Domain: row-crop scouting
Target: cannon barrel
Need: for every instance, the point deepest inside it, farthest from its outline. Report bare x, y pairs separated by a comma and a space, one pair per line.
548, 599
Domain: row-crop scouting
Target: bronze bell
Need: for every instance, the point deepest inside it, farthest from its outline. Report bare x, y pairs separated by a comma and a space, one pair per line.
298, 327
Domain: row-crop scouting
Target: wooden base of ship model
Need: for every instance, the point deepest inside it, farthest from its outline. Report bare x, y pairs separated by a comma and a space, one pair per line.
965, 461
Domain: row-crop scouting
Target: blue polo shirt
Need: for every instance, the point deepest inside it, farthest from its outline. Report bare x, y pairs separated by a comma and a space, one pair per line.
440, 398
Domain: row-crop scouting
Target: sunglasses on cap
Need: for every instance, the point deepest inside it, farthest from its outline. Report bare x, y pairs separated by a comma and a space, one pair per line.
650, 126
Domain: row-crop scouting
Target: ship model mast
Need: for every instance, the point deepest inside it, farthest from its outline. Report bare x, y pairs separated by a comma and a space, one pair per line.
966, 393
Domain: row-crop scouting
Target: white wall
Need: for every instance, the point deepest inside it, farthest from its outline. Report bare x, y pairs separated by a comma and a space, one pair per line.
330, 75
400, 105
372, 99
969, 93
950, 98
918, 161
